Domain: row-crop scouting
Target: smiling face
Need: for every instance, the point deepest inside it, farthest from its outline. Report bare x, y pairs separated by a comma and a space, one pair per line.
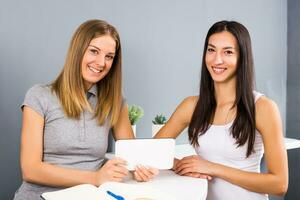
97, 60
222, 56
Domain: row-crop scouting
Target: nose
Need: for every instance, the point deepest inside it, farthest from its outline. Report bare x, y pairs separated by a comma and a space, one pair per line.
100, 60
218, 58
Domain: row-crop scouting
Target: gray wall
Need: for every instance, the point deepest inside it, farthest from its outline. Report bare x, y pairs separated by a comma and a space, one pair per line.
162, 47
293, 96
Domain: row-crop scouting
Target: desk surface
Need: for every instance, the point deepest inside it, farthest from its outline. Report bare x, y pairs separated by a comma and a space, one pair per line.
179, 187
182, 187
291, 143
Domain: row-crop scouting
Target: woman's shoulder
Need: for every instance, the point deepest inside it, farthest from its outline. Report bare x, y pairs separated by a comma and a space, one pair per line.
267, 117
190, 101
39, 87
265, 110
37, 98
264, 103
184, 111
39, 91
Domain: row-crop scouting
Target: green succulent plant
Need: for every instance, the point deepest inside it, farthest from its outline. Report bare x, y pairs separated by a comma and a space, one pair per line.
159, 119
135, 113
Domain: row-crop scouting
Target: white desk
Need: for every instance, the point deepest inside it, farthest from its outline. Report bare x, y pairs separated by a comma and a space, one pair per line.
179, 187
182, 187
291, 143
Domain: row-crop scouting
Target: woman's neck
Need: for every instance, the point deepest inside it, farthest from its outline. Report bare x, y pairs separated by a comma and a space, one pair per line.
87, 86
225, 92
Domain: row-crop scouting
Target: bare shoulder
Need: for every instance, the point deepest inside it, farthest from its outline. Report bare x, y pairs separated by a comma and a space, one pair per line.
267, 114
265, 106
190, 102
185, 110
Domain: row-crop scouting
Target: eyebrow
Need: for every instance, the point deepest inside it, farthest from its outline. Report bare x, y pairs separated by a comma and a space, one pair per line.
211, 45
111, 53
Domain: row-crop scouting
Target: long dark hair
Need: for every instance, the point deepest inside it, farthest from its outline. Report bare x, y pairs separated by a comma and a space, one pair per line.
243, 127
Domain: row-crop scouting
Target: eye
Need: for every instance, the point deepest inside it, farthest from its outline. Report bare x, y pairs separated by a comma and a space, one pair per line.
210, 49
109, 57
228, 52
94, 51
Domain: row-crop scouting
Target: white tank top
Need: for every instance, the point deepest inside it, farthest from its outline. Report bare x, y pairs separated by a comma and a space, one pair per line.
217, 145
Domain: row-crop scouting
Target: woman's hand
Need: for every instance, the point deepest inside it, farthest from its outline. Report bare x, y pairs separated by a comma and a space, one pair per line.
198, 175
143, 174
112, 170
193, 166
176, 160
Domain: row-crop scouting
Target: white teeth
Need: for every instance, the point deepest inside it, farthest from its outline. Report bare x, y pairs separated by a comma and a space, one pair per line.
218, 70
94, 69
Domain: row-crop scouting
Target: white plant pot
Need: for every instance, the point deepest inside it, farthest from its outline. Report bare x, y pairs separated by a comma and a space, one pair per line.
156, 128
134, 129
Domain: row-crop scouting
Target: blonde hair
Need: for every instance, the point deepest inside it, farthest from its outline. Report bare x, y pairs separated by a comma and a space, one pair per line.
69, 85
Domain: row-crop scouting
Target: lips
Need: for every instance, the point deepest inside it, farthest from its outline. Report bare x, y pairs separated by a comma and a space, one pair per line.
95, 70
219, 70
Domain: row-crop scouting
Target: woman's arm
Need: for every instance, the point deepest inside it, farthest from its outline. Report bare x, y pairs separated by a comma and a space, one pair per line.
275, 181
36, 171
122, 129
179, 120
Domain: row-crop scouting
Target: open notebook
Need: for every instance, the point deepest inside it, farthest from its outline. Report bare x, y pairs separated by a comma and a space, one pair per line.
107, 191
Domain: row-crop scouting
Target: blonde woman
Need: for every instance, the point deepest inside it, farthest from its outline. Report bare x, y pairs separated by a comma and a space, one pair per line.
66, 124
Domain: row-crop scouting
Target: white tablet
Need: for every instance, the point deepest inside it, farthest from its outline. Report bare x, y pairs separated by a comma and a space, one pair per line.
158, 153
